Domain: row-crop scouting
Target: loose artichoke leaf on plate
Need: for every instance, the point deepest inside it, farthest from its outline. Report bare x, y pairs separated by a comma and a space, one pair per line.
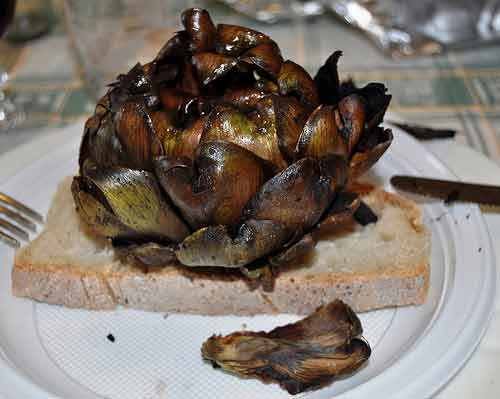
305, 355
197, 155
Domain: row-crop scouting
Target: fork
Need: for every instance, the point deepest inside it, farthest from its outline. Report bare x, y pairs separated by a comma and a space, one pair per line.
15, 219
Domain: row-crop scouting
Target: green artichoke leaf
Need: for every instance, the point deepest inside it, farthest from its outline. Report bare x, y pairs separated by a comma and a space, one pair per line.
368, 151
227, 176
200, 29
234, 40
308, 354
135, 199
212, 66
294, 80
178, 143
320, 136
213, 246
266, 56
229, 124
95, 214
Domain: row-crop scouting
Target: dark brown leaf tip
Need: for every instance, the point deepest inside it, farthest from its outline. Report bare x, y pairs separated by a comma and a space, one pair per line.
309, 354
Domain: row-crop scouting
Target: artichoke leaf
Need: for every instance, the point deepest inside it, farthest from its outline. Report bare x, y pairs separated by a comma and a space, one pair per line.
320, 135
294, 80
211, 66
308, 354
200, 28
327, 80
352, 110
229, 124
234, 40
227, 177
339, 214
296, 197
302, 247
183, 143
150, 254
266, 56
135, 199
135, 130
369, 151
95, 214
213, 246
100, 143
244, 99
290, 118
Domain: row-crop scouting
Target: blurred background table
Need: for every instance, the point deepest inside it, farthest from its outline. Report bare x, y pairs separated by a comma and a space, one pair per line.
459, 90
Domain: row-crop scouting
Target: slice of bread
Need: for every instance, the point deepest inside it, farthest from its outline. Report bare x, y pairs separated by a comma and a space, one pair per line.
380, 265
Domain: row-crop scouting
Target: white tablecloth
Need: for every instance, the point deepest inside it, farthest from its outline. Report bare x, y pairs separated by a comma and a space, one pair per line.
479, 377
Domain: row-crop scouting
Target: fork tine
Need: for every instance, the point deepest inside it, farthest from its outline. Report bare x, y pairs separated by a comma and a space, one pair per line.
11, 241
12, 228
18, 218
21, 207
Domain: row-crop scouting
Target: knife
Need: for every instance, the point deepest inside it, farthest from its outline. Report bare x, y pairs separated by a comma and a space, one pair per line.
447, 190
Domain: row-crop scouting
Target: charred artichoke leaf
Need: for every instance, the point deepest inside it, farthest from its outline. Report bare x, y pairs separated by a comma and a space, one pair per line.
369, 151
296, 197
320, 136
234, 40
95, 214
266, 56
339, 214
364, 214
376, 101
174, 49
149, 254
229, 124
200, 28
211, 66
135, 130
294, 80
136, 200
327, 80
352, 111
308, 354
227, 177
213, 246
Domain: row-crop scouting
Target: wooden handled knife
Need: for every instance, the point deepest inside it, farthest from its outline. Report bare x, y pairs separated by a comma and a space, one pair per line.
447, 190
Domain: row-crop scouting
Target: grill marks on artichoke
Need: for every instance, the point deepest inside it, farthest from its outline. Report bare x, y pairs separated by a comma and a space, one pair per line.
220, 134
305, 355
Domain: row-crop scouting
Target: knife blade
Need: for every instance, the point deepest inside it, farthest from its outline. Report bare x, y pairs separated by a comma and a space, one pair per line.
448, 190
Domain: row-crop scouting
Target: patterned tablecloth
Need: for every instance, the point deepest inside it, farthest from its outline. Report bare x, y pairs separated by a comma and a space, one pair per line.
460, 89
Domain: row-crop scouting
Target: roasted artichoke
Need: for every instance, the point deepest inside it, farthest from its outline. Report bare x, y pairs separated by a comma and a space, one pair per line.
220, 153
308, 354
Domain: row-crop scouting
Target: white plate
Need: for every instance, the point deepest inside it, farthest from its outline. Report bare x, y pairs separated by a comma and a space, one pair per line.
47, 350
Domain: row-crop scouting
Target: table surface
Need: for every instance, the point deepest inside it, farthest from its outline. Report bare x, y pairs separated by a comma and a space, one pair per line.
459, 90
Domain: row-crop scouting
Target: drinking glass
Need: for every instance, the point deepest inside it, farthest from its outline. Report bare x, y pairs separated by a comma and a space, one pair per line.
10, 115
109, 37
